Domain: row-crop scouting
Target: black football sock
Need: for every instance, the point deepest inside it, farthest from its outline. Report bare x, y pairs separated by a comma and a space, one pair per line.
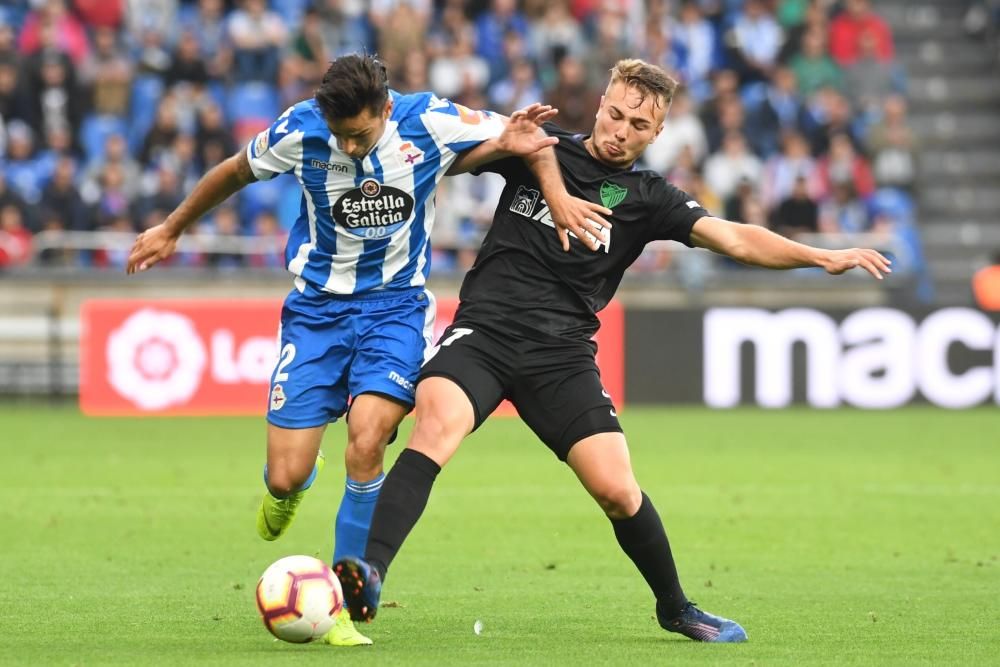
404, 495
644, 540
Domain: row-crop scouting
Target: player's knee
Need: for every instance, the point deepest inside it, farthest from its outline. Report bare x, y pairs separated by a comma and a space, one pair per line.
282, 481
364, 454
619, 501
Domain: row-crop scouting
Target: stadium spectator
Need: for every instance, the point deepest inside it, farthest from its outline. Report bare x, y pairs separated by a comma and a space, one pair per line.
782, 171
576, 101
844, 164
813, 67
115, 153
517, 90
107, 74
848, 29
224, 224
15, 237
63, 200
52, 26
733, 163
56, 100
207, 22
754, 42
98, 14
21, 169
552, 38
780, 110
459, 67
798, 214
894, 147
682, 129
401, 26
696, 35
186, 65
842, 212
257, 35
869, 79
14, 97
491, 27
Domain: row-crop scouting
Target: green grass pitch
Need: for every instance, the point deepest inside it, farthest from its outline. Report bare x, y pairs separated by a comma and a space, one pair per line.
837, 537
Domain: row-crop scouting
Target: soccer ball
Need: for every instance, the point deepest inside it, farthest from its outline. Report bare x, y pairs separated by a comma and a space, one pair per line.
298, 598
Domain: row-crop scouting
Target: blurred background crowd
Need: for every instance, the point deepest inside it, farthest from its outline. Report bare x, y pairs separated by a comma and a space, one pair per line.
793, 113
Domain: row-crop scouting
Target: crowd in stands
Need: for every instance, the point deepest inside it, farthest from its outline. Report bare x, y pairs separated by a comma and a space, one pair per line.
792, 115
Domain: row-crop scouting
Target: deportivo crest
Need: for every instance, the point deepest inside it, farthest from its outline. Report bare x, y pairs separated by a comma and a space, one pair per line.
410, 153
611, 194
277, 397
372, 210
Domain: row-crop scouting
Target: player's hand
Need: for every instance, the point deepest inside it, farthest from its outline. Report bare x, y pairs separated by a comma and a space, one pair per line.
151, 246
836, 262
583, 218
522, 134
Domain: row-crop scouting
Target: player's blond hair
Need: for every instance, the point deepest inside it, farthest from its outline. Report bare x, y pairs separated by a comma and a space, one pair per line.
647, 79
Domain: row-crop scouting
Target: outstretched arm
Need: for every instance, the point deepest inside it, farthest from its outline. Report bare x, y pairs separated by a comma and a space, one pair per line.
523, 136
757, 246
159, 242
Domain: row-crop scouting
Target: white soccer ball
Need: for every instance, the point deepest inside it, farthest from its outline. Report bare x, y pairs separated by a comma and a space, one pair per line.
298, 598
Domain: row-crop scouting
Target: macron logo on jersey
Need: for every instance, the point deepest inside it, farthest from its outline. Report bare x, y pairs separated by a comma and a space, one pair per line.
693, 204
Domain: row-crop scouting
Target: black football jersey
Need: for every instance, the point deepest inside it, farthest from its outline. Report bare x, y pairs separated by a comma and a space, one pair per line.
523, 280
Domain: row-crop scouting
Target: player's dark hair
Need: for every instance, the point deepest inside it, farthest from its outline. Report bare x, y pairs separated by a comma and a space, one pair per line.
352, 84
647, 79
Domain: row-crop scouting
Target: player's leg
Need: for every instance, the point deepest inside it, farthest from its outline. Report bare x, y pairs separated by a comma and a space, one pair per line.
293, 461
308, 390
602, 464
458, 389
563, 401
444, 416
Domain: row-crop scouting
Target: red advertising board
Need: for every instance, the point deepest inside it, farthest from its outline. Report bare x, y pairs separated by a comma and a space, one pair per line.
215, 357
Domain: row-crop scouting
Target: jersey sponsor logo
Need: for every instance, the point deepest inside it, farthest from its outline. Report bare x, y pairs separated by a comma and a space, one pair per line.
277, 398
693, 204
261, 143
544, 216
329, 166
524, 201
612, 194
373, 210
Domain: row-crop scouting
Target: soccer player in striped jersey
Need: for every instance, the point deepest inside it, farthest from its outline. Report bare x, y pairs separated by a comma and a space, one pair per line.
355, 327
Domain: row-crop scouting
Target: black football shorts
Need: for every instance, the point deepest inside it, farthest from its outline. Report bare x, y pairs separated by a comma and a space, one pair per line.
555, 385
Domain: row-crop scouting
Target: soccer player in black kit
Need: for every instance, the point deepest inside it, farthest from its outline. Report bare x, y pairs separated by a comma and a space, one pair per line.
523, 332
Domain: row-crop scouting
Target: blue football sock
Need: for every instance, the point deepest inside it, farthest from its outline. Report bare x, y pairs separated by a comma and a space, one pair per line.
354, 517
309, 480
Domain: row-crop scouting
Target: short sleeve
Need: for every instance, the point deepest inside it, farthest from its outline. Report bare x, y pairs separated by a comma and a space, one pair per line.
276, 150
456, 128
675, 212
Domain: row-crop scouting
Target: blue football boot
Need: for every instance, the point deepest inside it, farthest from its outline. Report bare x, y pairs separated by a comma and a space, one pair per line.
362, 587
702, 626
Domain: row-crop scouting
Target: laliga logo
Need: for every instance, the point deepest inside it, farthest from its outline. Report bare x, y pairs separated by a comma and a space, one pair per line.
155, 359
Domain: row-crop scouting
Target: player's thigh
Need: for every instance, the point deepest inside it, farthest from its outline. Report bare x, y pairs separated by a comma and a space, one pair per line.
373, 419
444, 416
475, 362
393, 335
561, 398
309, 385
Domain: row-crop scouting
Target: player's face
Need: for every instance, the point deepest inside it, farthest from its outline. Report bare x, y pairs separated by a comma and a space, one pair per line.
357, 135
626, 124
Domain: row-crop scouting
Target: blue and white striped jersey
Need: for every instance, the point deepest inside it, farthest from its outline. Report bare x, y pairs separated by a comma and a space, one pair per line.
364, 224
